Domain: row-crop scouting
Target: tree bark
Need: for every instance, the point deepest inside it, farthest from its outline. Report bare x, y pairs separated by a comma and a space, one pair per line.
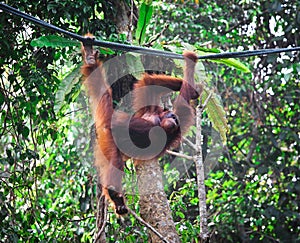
154, 205
122, 14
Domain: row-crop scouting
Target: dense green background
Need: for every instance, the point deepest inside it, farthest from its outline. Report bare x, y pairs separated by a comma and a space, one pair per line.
47, 182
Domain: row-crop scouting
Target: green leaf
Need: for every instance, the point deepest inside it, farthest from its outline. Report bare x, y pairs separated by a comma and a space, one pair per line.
231, 62
216, 114
218, 175
106, 51
143, 21
66, 86
180, 214
53, 41
194, 201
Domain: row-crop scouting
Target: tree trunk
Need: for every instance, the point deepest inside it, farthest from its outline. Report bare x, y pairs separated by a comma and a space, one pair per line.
122, 14
154, 205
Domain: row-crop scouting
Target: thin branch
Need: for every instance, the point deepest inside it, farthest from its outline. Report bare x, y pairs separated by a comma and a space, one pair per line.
129, 34
78, 220
138, 218
189, 143
180, 155
157, 36
202, 107
74, 111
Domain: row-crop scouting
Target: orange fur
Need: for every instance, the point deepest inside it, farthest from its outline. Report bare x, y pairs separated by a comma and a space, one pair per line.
108, 156
108, 159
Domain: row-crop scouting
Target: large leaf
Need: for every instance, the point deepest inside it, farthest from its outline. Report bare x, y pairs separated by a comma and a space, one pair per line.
143, 21
216, 113
231, 62
53, 41
58, 41
66, 87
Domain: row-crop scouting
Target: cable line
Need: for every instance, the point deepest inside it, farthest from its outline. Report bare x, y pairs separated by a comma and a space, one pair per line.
139, 49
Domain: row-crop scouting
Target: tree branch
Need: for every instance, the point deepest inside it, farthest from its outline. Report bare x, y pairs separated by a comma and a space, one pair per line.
189, 143
202, 107
157, 36
180, 155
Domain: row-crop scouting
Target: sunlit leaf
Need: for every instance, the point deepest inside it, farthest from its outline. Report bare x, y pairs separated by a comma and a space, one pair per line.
231, 62
180, 214
143, 21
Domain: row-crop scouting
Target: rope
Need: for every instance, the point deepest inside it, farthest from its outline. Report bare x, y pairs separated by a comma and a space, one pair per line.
138, 49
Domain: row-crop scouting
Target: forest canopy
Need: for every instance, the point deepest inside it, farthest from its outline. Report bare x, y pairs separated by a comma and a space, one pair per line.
47, 179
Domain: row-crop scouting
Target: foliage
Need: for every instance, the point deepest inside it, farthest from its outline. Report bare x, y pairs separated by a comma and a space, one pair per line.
46, 178
253, 193
216, 114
